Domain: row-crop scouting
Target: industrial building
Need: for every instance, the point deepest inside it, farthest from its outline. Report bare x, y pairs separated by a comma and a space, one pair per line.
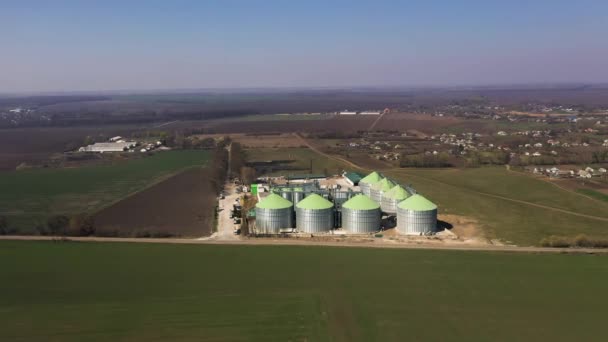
108, 147
313, 208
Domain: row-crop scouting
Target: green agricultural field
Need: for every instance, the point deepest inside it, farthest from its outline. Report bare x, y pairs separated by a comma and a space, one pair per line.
62, 291
484, 193
28, 198
593, 193
302, 157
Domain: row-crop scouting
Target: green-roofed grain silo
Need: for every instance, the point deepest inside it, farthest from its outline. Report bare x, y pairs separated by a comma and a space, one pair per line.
314, 214
391, 198
366, 182
272, 214
416, 215
385, 185
361, 215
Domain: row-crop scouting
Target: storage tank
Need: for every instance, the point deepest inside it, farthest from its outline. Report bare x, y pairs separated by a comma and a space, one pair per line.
273, 213
416, 216
366, 182
314, 214
298, 195
378, 189
287, 193
392, 198
361, 215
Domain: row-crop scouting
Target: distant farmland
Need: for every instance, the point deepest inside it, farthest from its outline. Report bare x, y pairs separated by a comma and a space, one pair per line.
28, 198
148, 292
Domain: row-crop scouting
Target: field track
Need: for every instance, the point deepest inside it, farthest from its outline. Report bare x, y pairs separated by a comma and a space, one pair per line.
304, 242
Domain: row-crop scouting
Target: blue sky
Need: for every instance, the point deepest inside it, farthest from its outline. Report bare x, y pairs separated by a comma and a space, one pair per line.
109, 45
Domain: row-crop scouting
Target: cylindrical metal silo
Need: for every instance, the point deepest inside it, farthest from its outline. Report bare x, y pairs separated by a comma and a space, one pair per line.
380, 188
392, 198
272, 214
366, 182
314, 214
416, 216
287, 193
361, 215
298, 195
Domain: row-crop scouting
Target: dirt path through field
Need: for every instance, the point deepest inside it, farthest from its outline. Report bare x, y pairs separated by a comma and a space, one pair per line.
375, 123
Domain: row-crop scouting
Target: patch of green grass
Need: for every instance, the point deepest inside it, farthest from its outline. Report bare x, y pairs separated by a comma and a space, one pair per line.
302, 157
461, 192
595, 194
28, 197
148, 292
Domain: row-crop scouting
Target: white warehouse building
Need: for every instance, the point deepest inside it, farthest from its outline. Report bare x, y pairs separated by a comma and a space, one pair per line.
108, 147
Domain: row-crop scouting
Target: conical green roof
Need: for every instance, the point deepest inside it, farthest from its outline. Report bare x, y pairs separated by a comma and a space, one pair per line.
384, 185
361, 202
397, 192
314, 201
274, 201
417, 203
372, 178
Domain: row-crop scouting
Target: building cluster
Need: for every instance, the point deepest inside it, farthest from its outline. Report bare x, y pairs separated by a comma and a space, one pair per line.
118, 144
555, 172
363, 112
373, 205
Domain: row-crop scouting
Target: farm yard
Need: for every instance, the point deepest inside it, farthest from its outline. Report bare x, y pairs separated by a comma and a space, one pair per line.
149, 292
29, 197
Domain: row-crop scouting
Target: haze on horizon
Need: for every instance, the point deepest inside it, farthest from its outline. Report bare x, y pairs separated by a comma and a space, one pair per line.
114, 45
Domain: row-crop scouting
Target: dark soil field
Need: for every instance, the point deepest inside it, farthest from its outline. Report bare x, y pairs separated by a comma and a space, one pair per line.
182, 205
415, 122
334, 124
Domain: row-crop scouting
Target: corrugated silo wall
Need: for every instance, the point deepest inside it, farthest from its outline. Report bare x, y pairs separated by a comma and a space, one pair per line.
411, 222
270, 221
376, 195
297, 197
389, 205
288, 195
365, 188
314, 220
360, 221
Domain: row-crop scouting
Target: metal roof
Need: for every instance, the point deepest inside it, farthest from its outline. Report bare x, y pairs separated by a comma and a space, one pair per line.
274, 201
397, 192
314, 201
361, 202
417, 203
372, 178
306, 176
353, 176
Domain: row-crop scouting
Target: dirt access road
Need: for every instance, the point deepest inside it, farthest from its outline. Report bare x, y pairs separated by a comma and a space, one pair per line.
225, 224
308, 242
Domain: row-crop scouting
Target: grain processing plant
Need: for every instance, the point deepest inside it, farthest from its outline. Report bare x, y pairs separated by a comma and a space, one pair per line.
357, 206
